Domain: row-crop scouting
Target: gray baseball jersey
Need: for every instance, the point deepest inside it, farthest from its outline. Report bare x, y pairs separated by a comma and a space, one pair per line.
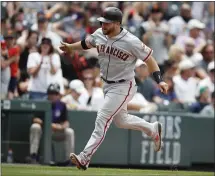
117, 56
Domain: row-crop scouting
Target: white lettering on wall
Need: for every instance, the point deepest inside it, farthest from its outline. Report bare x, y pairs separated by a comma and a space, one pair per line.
177, 121
145, 145
162, 120
159, 158
167, 159
146, 118
151, 153
153, 118
176, 153
170, 153
169, 127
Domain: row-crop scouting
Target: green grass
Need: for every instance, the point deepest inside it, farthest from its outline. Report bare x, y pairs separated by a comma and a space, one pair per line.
37, 170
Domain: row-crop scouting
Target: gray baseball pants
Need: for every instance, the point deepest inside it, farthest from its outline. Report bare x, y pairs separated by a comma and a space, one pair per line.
114, 109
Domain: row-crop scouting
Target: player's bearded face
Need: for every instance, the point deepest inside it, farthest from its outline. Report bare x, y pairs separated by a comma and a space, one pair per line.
107, 28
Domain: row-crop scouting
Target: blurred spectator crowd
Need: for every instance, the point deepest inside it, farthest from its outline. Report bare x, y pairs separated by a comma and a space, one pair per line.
181, 35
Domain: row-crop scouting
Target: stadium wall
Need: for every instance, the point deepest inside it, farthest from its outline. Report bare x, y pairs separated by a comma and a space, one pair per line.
188, 138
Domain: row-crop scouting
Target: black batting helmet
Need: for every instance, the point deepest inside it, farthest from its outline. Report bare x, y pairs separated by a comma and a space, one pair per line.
111, 14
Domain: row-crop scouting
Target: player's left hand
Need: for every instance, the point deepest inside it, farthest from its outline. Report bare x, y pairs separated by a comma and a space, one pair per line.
65, 47
163, 87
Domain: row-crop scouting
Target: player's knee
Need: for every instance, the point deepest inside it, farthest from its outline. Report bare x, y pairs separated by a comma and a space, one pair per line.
104, 114
36, 128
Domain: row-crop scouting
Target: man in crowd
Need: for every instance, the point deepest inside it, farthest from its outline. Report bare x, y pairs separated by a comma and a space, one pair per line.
209, 109
72, 100
146, 85
195, 28
60, 124
185, 83
209, 80
154, 33
178, 23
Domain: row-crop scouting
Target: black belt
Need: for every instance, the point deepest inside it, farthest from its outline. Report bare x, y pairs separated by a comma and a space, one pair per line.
111, 82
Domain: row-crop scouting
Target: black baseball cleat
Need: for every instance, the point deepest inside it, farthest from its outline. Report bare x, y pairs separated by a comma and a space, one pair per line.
80, 163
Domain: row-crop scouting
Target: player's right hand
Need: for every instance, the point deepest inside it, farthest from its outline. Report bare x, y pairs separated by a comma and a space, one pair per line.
65, 47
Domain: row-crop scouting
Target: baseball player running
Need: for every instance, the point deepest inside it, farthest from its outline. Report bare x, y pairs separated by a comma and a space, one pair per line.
118, 51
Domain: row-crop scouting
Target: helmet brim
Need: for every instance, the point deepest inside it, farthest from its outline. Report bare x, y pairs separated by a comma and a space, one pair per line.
103, 20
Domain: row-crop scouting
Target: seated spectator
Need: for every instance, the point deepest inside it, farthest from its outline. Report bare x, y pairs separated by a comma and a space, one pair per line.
195, 27
72, 100
60, 125
171, 68
202, 100
208, 56
13, 51
44, 67
185, 84
209, 81
166, 98
146, 85
176, 53
93, 98
209, 109
195, 57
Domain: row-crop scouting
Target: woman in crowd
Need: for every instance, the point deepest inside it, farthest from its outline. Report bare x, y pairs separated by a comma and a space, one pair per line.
44, 67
